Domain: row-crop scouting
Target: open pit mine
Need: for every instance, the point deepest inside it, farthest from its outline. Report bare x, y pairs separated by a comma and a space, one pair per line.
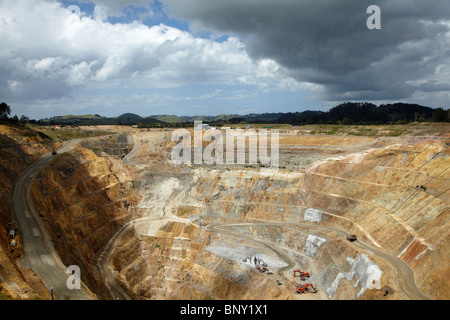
345, 217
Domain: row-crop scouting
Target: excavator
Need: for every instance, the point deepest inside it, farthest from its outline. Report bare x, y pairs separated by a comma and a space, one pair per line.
301, 273
309, 286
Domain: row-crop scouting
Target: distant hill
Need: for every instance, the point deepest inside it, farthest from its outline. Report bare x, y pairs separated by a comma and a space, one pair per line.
202, 118
75, 119
85, 116
167, 118
345, 113
357, 112
279, 117
129, 119
89, 119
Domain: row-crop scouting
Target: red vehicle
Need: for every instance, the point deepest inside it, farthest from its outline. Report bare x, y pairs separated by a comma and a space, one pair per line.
309, 287
301, 274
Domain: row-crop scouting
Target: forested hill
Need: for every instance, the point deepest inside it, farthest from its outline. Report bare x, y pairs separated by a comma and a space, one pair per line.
345, 113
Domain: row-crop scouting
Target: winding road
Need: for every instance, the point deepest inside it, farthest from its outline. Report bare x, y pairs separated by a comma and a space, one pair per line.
39, 253
405, 275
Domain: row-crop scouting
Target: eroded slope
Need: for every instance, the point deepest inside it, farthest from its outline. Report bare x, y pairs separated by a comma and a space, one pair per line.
392, 193
153, 230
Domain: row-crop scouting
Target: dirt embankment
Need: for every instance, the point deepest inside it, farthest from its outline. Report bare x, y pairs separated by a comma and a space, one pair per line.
83, 199
19, 147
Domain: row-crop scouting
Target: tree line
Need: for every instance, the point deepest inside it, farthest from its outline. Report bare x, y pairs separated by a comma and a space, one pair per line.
5, 112
348, 113
368, 113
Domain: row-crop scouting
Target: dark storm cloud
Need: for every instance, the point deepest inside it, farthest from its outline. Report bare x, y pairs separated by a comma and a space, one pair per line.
326, 42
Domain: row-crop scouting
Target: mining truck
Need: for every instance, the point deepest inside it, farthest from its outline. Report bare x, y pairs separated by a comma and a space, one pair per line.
351, 237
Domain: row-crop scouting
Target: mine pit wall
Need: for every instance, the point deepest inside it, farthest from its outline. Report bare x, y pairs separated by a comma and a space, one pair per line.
336, 267
83, 200
18, 149
175, 264
394, 213
334, 251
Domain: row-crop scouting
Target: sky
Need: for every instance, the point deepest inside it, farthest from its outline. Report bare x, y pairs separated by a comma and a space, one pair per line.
210, 57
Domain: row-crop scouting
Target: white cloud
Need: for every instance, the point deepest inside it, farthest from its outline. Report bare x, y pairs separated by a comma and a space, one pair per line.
47, 52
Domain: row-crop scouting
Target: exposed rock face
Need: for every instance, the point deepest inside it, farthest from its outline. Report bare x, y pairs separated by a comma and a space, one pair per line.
191, 232
363, 193
376, 195
84, 199
367, 273
176, 264
19, 147
405, 210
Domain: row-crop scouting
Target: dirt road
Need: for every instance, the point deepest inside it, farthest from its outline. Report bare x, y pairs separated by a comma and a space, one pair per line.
40, 255
405, 275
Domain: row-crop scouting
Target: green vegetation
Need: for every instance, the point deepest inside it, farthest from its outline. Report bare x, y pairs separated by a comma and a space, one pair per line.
67, 133
5, 110
86, 116
3, 295
168, 118
345, 114
362, 130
